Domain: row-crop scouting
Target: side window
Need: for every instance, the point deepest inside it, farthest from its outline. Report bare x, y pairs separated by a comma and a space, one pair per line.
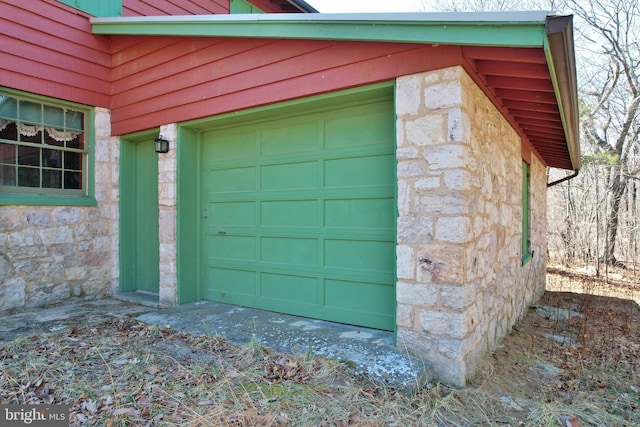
243, 6
526, 215
44, 149
99, 8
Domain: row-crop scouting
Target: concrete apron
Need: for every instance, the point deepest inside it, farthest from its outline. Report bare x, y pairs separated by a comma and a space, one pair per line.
369, 351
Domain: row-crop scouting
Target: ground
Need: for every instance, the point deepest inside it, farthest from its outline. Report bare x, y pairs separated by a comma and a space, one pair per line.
574, 360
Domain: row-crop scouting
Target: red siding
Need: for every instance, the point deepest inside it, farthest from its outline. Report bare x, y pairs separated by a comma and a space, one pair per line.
174, 7
168, 79
48, 49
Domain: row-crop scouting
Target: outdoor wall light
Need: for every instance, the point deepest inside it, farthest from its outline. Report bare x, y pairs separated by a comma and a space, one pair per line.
161, 144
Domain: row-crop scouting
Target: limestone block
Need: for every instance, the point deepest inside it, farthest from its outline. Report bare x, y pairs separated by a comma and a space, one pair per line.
428, 183
408, 169
57, 235
416, 294
94, 258
66, 215
428, 130
445, 323
443, 95
102, 243
408, 93
100, 228
415, 229
458, 297
37, 218
404, 316
101, 149
407, 153
10, 218
455, 125
46, 293
6, 270
435, 203
441, 264
167, 220
75, 274
404, 198
406, 267
449, 156
453, 229
12, 293
168, 294
457, 180
25, 237
97, 288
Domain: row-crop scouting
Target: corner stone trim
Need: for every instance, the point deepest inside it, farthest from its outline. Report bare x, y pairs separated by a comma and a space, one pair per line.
461, 285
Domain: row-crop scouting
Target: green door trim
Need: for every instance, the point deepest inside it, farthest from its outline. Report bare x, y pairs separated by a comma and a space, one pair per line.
189, 149
129, 243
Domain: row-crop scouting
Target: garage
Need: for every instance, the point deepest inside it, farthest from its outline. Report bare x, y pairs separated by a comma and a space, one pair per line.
299, 212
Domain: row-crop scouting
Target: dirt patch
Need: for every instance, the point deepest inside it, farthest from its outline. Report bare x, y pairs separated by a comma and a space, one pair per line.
574, 360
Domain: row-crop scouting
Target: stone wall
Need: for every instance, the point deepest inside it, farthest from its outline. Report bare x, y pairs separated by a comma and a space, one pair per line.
167, 167
50, 254
461, 283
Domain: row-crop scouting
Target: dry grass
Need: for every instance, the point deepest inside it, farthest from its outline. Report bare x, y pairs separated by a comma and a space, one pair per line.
125, 373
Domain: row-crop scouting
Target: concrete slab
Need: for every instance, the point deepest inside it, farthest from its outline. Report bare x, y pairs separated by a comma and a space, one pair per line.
55, 318
370, 351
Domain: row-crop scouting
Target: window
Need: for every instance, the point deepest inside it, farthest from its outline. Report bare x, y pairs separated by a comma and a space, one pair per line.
44, 148
527, 254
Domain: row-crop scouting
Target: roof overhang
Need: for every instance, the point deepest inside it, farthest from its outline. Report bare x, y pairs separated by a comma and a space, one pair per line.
302, 6
538, 94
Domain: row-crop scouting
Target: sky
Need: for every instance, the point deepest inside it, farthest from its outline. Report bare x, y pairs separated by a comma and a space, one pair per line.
344, 6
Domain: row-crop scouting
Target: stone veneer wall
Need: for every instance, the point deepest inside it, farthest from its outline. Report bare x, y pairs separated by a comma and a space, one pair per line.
167, 169
49, 254
461, 283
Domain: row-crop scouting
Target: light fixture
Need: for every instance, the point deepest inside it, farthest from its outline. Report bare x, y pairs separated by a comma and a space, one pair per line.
161, 144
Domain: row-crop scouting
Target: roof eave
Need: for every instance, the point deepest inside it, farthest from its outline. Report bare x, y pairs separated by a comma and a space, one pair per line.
563, 71
489, 29
303, 6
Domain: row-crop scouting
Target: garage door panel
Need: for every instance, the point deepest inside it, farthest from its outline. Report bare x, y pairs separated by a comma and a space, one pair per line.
355, 130
290, 138
238, 282
289, 251
289, 213
297, 289
232, 213
231, 180
230, 145
359, 255
360, 213
279, 177
359, 171
347, 295
231, 248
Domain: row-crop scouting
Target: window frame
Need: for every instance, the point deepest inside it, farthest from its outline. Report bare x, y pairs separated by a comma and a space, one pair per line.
38, 196
527, 253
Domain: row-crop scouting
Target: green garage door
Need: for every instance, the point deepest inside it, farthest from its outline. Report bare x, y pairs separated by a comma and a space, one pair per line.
300, 215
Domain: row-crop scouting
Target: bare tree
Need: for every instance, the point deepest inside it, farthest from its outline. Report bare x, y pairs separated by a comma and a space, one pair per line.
611, 99
603, 198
